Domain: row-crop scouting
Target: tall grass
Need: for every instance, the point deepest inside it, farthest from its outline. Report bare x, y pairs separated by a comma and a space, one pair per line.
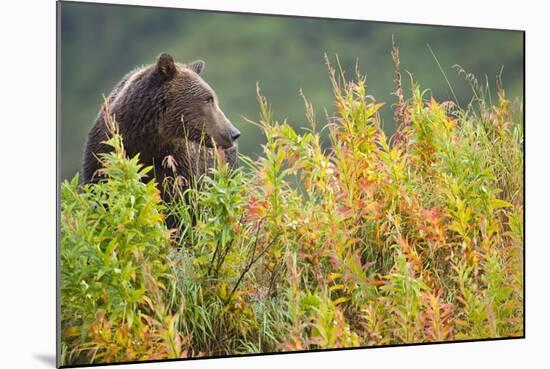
375, 241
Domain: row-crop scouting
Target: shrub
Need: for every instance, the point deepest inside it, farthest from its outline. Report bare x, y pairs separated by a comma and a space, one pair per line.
114, 266
413, 238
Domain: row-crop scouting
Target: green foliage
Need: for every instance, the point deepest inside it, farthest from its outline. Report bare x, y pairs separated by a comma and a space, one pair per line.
114, 264
285, 53
413, 238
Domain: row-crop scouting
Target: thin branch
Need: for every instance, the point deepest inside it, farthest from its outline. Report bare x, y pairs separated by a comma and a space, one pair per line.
249, 265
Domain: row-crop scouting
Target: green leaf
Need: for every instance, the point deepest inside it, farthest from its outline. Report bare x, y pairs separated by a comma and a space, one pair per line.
498, 203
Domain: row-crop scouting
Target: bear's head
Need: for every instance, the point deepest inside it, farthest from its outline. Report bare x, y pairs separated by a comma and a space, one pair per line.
190, 106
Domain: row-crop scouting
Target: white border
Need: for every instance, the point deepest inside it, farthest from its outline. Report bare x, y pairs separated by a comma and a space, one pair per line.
27, 153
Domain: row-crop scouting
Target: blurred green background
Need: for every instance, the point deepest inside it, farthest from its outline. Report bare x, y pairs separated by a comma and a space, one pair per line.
100, 43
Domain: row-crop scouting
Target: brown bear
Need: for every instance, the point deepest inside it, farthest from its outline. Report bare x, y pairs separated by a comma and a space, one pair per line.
169, 115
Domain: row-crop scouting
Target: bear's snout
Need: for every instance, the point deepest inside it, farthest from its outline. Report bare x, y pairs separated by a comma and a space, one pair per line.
235, 134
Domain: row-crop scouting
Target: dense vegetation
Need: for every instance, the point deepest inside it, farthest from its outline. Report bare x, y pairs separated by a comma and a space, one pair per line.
375, 241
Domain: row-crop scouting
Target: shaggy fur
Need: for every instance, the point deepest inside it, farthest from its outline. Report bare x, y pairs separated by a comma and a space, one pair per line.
167, 113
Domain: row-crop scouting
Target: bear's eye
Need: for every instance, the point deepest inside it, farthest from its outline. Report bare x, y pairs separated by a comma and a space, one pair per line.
209, 100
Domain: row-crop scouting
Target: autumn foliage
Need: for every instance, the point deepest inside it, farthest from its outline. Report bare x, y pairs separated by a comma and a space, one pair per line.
374, 240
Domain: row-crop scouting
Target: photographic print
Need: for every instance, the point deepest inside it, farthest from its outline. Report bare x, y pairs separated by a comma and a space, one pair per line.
242, 184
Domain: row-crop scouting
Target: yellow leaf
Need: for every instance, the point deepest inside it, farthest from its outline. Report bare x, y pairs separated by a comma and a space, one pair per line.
340, 300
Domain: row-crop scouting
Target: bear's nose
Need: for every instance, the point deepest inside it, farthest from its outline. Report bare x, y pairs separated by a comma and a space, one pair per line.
235, 134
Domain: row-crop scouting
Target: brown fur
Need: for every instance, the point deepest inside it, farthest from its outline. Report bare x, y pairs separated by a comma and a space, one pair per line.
165, 110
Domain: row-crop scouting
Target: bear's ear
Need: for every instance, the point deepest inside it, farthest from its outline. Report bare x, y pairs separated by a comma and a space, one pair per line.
197, 66
166, 66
